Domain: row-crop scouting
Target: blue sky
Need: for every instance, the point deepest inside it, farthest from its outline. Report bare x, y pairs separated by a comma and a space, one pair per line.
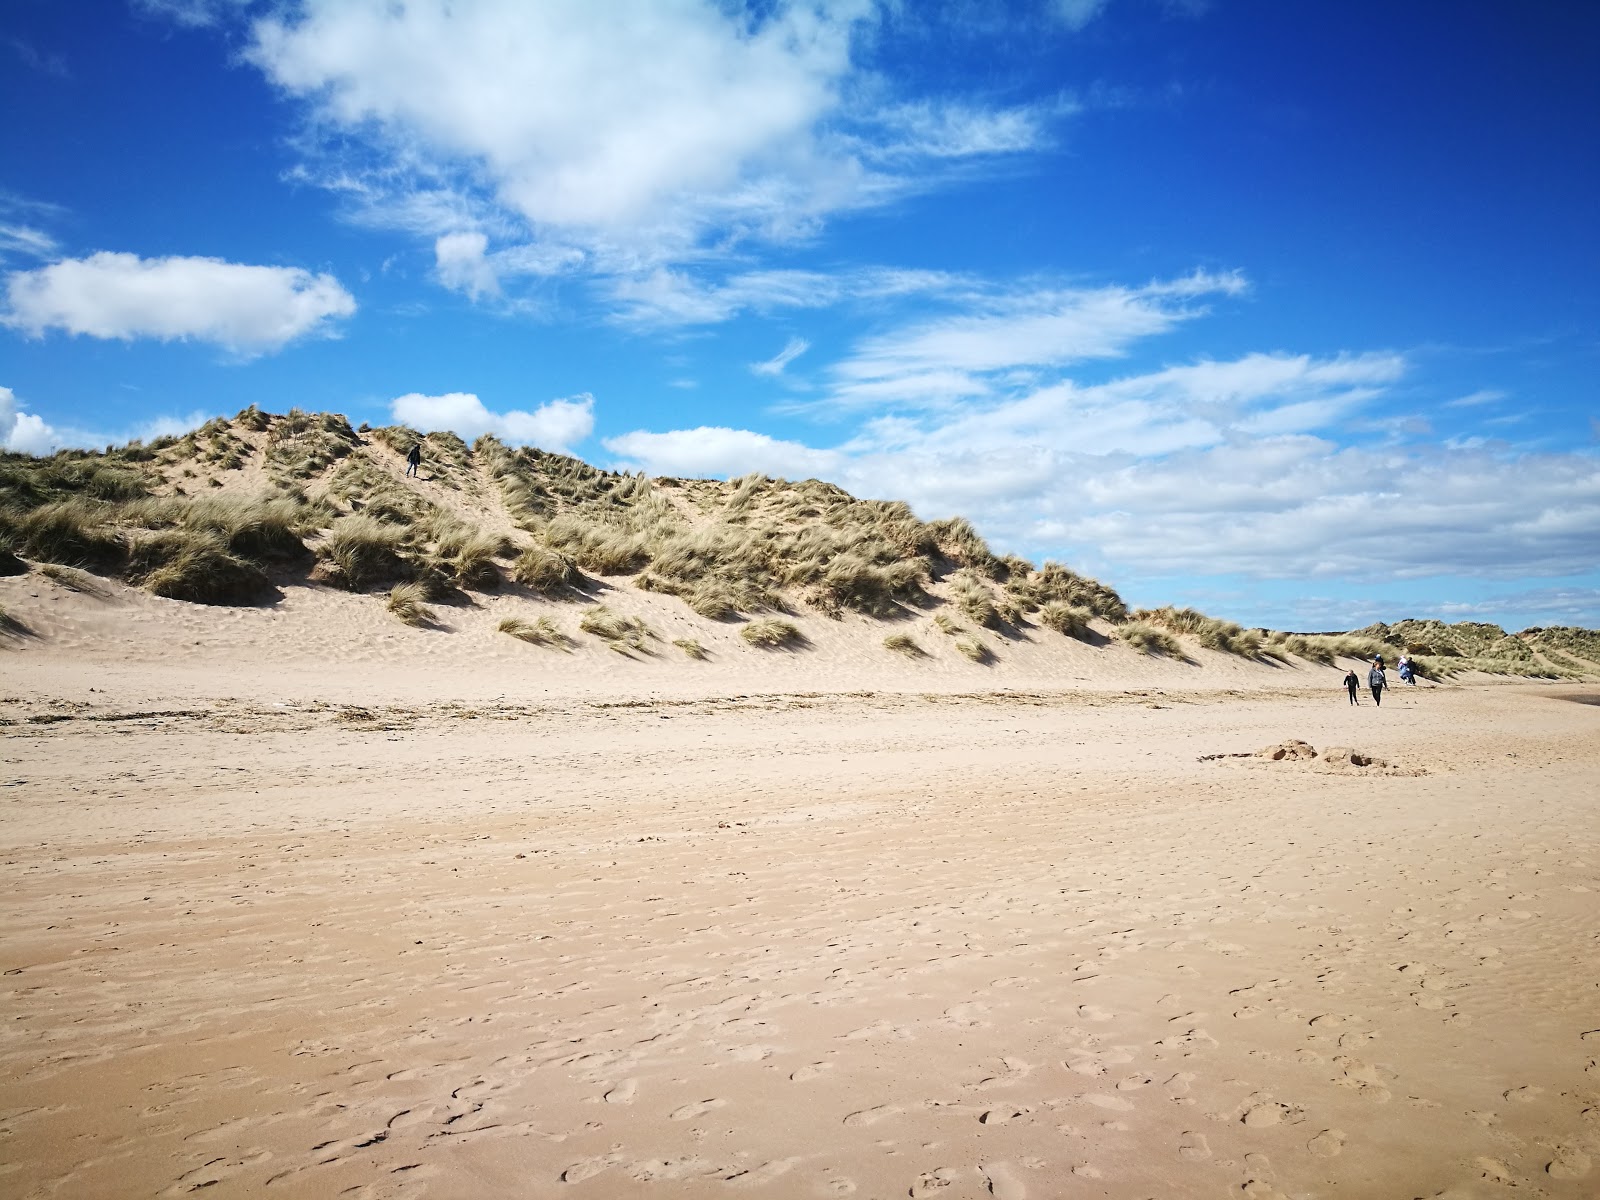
1288, 311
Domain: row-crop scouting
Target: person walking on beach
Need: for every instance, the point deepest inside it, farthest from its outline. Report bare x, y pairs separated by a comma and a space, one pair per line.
1352, 684
1377, 680
414, 459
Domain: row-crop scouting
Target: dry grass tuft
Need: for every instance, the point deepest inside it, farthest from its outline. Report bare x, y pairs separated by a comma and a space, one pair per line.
947, 624
904, 643
75, 581
1068, 619
75, 532
545, 570
975, 650
772, 633
1148, 639
690, 647
619, 632
542, 632
194, 565
406, 602
361, 551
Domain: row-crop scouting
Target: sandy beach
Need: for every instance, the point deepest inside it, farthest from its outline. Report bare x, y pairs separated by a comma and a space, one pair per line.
403, 931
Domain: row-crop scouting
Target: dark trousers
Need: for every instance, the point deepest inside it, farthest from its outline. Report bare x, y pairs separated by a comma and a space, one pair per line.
1377, 695
1353, 699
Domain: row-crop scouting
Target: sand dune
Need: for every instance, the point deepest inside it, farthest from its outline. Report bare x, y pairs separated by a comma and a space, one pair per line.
300, 906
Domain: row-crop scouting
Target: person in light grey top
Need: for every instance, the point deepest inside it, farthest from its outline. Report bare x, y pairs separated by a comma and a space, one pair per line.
1377, 680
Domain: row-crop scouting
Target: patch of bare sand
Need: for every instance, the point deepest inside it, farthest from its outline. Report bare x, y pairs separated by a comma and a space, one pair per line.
798, 944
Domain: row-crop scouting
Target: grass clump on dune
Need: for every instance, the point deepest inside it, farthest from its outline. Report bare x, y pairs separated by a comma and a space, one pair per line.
947, 624
975, 650
74, 533
1148, 639
359, 552
1067, 619
74, 580
690, 647
772, 633
542, 632
545, 570
1210, 632
406, 601
619, 632
194, 565
904, 643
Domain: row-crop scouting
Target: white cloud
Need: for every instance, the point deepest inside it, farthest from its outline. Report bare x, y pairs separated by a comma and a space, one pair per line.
462, 266
25, 241
720, 451
1025, 327
28, 433
1209, 468
555, 425
613, 148
246, 309
776, 365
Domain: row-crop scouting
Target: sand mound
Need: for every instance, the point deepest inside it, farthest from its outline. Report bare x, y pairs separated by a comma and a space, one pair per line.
1335, 759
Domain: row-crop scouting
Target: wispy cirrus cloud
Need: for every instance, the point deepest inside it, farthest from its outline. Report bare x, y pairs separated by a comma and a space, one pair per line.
775, 365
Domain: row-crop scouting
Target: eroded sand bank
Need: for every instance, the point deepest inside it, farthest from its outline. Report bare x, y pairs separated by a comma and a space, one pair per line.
802, 946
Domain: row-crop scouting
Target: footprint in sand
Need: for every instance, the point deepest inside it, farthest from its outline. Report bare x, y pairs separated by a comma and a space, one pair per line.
1568, 1164
1257, 1189
1093, 1012
1114, 1103
933, 1183
1133, 1083
1002, 1182
1494, 1171
1194, 1147
699, 1108
1523, 1095
588, 1168
1259, 1116
1327, 1144
623, 1093
801, 1074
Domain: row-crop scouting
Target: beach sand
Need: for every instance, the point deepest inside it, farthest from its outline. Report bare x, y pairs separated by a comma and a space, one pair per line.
411, 927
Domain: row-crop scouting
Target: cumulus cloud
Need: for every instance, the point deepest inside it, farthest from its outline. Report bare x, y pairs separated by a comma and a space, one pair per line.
245, 309
717, 450
29, 433
612, 148
776, 365
555, 425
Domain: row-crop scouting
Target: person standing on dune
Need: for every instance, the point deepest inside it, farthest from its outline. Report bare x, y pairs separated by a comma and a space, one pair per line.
1377, 680
414, 459
1352, 684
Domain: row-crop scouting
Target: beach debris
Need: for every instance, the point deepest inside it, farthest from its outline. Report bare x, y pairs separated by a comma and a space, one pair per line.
1338, 759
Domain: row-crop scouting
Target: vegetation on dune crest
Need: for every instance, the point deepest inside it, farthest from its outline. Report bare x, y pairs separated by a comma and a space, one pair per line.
178, 517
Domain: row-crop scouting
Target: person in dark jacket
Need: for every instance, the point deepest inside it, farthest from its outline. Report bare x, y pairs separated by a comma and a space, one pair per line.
1352, 684
414, 460
1377, 680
